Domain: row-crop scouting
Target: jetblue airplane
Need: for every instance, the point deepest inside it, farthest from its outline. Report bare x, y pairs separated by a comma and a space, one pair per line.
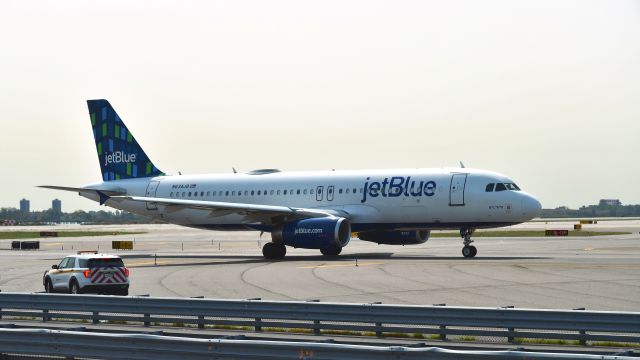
311, 210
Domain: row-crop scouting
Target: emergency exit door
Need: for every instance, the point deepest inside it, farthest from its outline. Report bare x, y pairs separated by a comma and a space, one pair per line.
151, 192
456, 189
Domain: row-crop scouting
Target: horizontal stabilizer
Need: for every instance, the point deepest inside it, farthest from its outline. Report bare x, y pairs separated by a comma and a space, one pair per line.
78, 190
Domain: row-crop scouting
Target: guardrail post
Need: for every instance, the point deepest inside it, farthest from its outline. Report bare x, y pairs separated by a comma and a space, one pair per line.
0, 314
147, 319
201, 322
379, 329
45, 315
443, 332
583, 338
94, 317
510, 337
316, 327
258, 325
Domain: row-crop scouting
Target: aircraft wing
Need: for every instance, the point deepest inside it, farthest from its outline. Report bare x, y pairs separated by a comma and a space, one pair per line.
254, 212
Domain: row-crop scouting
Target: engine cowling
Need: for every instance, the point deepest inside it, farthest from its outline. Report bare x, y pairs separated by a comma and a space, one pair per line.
396, 237
315, 233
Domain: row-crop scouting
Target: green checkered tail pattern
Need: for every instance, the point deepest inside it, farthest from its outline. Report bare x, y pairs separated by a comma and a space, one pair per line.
120, 155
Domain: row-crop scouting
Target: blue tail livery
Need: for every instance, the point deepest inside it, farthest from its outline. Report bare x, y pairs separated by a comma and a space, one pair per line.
120, 155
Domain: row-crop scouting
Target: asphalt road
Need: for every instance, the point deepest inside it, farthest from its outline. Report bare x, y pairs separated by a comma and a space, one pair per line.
598, 273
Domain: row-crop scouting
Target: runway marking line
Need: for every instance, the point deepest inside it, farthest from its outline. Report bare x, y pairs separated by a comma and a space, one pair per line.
351, 264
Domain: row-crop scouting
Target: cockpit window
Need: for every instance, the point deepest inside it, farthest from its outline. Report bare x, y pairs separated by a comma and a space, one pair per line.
500, 187
489, 187
512, 186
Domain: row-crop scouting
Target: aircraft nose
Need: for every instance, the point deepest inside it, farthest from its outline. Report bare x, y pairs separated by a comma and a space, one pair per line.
531, 207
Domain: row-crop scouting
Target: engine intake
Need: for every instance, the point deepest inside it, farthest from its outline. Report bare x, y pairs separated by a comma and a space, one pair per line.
396, 237
315, 233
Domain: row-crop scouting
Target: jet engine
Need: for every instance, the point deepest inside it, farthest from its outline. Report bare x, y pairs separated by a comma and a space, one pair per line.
314, 233
396, 237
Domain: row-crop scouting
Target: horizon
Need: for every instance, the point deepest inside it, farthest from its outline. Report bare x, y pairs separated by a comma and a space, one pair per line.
545, 92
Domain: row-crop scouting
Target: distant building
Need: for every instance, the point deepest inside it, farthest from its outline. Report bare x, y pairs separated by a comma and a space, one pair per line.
25, 206
610, 202
56, 205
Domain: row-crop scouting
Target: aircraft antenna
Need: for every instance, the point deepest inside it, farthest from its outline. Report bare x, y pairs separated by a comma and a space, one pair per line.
234, 170
461, 165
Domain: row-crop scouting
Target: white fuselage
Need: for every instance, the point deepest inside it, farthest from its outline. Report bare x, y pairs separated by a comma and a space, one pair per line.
403, 199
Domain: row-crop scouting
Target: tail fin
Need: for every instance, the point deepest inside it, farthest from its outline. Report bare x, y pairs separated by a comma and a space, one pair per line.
119, 154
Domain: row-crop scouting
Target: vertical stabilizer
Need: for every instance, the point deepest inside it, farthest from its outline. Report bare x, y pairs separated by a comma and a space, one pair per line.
120, 155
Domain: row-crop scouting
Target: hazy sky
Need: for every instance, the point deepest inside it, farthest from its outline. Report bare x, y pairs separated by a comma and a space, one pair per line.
546, 92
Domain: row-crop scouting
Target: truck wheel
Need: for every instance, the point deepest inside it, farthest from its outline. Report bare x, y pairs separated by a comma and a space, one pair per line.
47, 286
73, 287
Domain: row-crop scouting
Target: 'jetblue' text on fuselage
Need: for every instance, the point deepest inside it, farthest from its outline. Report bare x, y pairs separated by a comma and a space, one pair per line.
398, 186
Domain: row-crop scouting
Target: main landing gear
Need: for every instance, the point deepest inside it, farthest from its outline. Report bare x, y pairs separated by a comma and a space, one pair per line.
273, 251
468, 250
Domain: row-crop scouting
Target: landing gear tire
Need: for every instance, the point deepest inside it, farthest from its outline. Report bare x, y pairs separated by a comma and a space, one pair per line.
331, 251
273, 251
469, 251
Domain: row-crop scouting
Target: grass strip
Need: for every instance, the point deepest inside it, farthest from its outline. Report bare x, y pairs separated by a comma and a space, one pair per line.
525, 233
13, 235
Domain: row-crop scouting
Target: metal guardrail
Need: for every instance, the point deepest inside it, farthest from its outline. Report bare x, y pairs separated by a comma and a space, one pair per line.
353, 319
112, 346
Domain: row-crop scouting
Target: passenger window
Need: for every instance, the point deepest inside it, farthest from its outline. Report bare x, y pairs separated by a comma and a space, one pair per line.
258, 192
298, 192
233, 193
252, 192
304, 192
201, 193
183, 193
171, 195
189, 193
489, 187
214, 193
311, 191
264, 192
278, 192
195, 194
339, 191
500, 187
271, 193
246, 192
226, 193
285, 192
208, 193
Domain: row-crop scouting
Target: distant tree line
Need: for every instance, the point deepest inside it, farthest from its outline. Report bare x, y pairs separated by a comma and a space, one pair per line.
79, 216
593, 211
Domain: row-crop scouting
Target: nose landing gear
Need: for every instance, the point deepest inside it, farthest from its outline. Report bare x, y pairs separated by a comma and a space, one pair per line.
468, 250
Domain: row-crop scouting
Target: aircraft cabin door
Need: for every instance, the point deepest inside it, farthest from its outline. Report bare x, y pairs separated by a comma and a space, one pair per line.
456, 189
151, 192
319, 194
330, 193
